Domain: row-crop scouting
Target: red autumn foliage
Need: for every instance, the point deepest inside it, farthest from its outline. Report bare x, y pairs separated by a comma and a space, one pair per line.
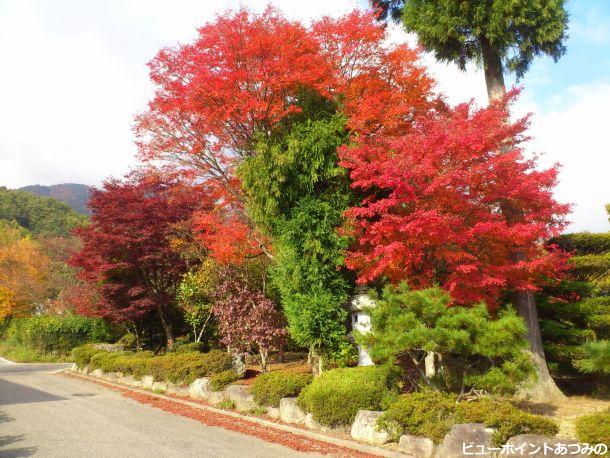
454, 201
247, 320
246, 73
127, 247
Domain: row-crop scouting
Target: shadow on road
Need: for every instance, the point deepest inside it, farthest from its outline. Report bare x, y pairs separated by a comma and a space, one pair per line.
6, 441
14, 393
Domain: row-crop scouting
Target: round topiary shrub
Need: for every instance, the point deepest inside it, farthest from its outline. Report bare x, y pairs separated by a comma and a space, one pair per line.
594, 428
269, 388
431, 414
219, 381
335, 397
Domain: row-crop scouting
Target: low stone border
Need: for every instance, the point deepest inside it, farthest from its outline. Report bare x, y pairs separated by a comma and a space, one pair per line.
364, 429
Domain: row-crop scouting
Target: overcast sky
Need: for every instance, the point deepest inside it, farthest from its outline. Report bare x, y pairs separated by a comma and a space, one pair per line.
73, 74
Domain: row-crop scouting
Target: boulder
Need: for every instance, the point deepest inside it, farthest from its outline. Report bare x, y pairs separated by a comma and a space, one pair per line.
110, 376
216, 397
126, 380
241, 396
74, 367
290, 412
421, 447
85, 370
147, 382
200, 388
273, 412
97, 373
159, 387
311, 423
365, 428
465, 440
542, 446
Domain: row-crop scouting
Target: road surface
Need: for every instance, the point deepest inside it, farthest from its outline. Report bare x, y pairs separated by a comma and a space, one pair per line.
49, 415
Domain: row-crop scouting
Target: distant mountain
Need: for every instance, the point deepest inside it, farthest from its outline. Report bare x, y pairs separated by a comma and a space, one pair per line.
38, 214
75, 195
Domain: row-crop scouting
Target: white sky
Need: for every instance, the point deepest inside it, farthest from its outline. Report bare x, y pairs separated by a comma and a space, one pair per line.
73, 74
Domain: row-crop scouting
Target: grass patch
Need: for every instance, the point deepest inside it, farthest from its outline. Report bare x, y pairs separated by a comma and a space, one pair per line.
23, 354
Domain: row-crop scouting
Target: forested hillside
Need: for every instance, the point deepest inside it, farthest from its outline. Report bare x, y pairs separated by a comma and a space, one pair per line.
39, 215
73, 194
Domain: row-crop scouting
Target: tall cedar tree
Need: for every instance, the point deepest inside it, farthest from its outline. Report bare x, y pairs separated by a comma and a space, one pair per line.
501, 36
127, 247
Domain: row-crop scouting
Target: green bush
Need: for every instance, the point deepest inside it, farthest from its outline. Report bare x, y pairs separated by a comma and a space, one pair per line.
594, 428
432, 414
336, 396
219, 381
128, 341
425, 413
82, 355
508, 420
192, 347
173, 367
269, 388
56, 334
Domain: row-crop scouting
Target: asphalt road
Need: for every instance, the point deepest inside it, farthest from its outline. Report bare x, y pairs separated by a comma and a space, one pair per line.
44, 414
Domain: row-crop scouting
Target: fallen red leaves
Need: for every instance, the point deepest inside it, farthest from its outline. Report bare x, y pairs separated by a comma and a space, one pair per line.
287, 439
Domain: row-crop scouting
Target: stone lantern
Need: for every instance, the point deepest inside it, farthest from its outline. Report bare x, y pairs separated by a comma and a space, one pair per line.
361, 321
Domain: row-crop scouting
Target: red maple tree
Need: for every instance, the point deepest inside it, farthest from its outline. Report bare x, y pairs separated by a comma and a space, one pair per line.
452, 201
247, 73
127, 247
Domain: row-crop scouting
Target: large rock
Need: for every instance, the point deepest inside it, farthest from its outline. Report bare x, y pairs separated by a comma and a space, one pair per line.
216, 397
542, 446
273, 412
148, 381
420, 447
111, 376
241, 396
464, 440
365, 428
74, 367
98, 373
127, 380
200, 388
290, 412
85, 370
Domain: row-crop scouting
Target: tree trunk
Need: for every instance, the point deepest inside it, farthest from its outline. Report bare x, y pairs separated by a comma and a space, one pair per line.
492, 65
545, 388
167, 329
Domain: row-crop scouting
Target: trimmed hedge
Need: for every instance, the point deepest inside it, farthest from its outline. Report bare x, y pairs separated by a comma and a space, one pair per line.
594, 428
432, 414
268, 389
335, 397
222, 379
173, 367
56, 334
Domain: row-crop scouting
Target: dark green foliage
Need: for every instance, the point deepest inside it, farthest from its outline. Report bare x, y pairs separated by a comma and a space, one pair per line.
56, 334
297, 194
476, 350
173, 367
39, 215
594, 428
432, 414
192, 347
596, 358
128, 341
336, 396
219, 381
73, 194
517, 30
269, 388
575, 314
